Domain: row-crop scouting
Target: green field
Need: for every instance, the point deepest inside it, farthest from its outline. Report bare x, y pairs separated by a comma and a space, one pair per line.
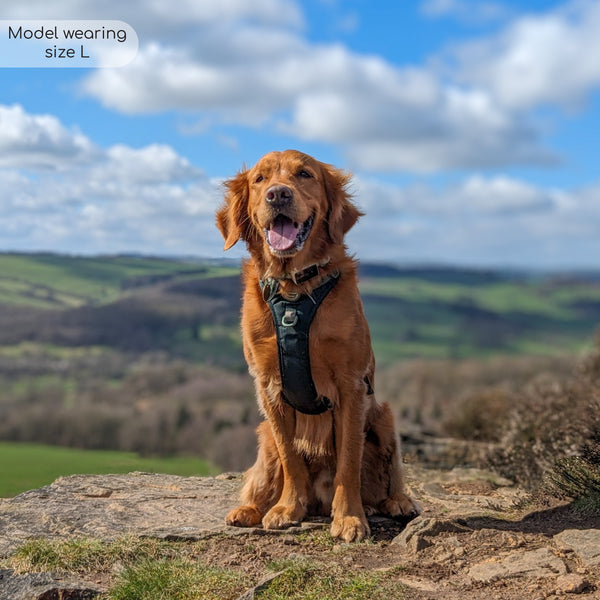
411, 317
30, 466
58, 281
190, 309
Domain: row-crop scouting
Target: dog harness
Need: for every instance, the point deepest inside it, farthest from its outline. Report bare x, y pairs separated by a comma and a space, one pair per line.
292, 320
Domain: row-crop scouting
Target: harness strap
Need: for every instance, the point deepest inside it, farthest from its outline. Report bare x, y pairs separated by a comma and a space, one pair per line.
292, 319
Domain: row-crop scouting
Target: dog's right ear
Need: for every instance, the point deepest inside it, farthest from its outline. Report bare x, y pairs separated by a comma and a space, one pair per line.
233, 220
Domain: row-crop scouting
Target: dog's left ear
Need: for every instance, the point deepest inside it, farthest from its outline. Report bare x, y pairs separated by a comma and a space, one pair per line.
232, 217
342, 214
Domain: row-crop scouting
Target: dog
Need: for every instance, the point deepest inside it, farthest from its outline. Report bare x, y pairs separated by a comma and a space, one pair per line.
326, 446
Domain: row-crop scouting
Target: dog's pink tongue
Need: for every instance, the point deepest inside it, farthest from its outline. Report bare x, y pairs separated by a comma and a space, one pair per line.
283, 234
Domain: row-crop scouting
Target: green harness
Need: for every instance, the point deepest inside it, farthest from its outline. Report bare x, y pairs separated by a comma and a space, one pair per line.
292, 320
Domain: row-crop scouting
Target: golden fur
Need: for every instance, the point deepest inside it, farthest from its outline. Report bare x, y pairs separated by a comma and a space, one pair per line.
346, 460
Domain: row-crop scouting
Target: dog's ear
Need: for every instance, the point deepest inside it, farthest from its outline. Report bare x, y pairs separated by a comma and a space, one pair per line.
232, 217
342, 214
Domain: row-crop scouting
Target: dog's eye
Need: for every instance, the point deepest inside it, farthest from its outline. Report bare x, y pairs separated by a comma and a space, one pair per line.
258, 179
304, 174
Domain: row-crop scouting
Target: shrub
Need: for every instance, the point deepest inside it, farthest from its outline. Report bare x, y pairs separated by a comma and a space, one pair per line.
549, 428
578, 477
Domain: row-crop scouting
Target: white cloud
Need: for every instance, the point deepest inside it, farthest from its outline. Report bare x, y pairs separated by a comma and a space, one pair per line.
228, 61
159, 17
474, 197
419, 127
387, 117
482, 221
153, 200
152, 164
39, 140
548, 58
147, 199
232, 62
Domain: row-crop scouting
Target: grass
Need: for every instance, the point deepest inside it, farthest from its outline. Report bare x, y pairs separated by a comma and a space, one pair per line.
82, 555
29, 466
177, 579
309, 580
150, 569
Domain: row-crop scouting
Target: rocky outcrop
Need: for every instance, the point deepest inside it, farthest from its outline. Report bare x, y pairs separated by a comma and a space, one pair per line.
473, 539
111, 506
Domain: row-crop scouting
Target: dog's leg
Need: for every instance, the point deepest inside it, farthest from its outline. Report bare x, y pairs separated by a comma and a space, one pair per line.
293, 501
382, 435
263, 482
349, 521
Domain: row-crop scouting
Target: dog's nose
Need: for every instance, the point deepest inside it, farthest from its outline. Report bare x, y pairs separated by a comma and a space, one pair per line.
279, 195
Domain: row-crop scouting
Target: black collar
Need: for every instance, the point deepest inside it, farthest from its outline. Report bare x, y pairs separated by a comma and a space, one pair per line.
270, 285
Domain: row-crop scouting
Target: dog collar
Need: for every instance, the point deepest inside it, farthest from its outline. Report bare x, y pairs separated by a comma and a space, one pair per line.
270, 285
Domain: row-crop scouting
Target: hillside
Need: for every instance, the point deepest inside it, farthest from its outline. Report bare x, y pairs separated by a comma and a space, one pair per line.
144, 355
191, 308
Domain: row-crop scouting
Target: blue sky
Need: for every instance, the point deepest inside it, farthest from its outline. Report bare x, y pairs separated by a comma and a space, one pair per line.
471, 128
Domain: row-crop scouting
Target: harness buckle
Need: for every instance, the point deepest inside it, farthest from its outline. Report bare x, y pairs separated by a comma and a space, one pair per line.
290, 317
269, 288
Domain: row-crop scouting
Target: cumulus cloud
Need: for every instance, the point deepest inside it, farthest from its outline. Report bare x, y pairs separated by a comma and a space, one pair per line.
548, 58
481, 221
153, 200
156, 17
420, 127
59, 191
387, 117
226, 61
235, 63
39, 140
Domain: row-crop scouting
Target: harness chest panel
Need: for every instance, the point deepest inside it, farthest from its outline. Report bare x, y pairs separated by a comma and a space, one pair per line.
292, 320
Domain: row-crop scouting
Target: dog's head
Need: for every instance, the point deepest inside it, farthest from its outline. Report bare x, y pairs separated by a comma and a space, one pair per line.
287, 205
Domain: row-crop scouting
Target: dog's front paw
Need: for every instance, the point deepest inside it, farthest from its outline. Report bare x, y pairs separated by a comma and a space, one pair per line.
243, 516
282, 517
350, 529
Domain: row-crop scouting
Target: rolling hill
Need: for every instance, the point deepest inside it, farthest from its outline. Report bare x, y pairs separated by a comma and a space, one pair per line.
191, 308
143, 355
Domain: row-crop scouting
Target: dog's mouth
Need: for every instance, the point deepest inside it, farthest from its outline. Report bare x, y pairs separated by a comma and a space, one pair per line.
285, 236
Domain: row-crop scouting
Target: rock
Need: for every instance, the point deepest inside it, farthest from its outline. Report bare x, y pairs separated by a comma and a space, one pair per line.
534, 563
584, 542
571, 584
42, 586
110, 506
416, 535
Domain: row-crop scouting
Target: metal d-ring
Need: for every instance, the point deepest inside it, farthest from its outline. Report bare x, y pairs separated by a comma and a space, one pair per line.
290, 317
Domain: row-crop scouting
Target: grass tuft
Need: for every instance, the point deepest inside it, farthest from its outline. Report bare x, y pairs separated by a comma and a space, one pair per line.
81, 555
307, 580
177, 579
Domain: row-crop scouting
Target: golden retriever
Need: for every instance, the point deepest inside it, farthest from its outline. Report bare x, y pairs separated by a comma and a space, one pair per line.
292, 212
